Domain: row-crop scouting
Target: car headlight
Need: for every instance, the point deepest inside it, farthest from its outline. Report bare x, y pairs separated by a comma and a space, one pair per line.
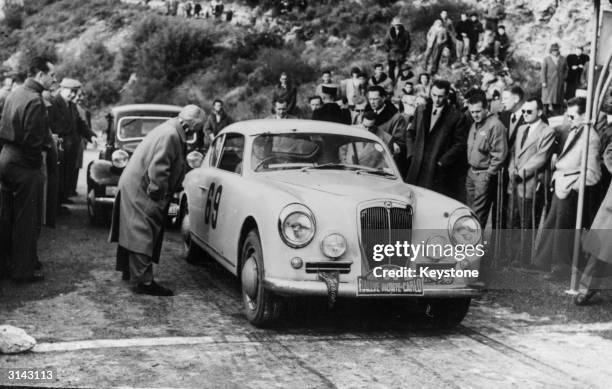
333, 245
119, 158
296, 225
466, 230
194, 159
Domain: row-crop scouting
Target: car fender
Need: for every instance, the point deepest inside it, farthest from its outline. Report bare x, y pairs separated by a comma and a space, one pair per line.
102, 173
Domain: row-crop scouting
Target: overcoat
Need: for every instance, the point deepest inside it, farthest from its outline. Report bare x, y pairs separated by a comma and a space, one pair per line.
554, 76
397, 44
598, 240
154, 172
532, 157
446, 144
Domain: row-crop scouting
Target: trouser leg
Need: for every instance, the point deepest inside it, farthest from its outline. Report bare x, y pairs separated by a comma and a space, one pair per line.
481, 196
459, 48
391, 68
141, 267
6, 207
467, 47
437, 55
27, 213
70, 158
594, 273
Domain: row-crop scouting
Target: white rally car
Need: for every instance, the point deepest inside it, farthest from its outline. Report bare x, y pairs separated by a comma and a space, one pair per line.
298, 207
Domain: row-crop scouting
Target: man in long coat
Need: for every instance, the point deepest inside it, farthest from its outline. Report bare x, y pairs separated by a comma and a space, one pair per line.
24, 133
554, 72
153, 174
437, 144
397, 45
557, 244
65, 121
597, 243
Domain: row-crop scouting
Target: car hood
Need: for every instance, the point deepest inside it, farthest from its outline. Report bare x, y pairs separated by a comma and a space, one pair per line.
340, 184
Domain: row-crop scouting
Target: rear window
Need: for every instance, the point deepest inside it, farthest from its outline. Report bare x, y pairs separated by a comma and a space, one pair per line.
137, 127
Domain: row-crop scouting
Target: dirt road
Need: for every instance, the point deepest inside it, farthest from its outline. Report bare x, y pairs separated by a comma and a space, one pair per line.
95, 332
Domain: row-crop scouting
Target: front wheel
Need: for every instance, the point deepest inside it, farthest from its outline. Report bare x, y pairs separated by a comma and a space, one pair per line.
446, 313
262, 307
98, 214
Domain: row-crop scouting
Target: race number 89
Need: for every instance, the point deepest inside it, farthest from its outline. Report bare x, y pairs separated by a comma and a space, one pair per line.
212, 205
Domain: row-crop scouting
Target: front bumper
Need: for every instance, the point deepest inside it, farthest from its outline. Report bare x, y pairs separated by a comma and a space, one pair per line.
345, 289
173, 209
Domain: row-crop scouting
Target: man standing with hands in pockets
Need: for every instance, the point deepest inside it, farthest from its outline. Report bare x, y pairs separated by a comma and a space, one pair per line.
487, 150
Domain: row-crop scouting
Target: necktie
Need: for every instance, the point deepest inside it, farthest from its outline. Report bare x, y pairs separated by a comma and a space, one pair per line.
513, 118
435, 112
525, 135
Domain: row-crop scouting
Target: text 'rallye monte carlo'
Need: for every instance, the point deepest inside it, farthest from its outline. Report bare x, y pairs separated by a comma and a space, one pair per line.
305, 208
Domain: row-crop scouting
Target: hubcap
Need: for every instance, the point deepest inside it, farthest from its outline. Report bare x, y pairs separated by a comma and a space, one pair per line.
249, 278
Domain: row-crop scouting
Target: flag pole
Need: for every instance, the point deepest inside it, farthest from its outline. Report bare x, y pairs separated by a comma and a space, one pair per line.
585, 148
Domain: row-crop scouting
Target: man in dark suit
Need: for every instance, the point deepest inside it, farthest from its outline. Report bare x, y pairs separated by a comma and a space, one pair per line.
437, 143
329, 111
512, 119
24, 133
65, 121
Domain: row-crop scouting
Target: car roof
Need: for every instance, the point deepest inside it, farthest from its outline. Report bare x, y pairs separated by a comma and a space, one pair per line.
258, 126
135, 108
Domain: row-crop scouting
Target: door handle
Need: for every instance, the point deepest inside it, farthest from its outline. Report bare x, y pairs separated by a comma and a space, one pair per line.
203, 188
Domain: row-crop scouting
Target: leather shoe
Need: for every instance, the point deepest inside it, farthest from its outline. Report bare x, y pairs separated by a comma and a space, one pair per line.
153, 289
582, 298
29, 280
125, 275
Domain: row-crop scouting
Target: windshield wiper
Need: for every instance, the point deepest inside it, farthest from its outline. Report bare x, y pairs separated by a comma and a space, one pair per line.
378, 172
331, 165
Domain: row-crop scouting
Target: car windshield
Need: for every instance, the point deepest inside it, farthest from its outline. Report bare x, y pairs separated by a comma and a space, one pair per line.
319, 151
134, 127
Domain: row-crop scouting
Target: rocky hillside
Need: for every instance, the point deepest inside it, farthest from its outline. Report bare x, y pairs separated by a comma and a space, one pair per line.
124, 51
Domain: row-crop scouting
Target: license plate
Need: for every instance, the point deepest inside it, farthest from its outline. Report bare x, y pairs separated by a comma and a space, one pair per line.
110, 191
367, 286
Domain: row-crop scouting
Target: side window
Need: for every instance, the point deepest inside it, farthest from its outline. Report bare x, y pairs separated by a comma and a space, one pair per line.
215, 149
232, 153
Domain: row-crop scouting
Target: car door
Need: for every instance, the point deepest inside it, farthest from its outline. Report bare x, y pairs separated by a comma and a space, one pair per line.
224, 205
202, 191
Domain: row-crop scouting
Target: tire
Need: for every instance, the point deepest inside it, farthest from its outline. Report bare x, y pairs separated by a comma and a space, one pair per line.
182, 212
194, 254
98, 215
446, 313
262, 307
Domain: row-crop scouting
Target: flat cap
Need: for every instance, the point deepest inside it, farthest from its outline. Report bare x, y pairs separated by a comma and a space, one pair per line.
70, 83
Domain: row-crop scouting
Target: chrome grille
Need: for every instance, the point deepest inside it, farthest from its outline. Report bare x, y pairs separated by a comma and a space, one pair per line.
381, 225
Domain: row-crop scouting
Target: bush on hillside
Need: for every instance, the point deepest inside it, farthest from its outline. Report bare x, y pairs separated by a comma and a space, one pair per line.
33, 6
30, 47
162, 54
13, 16
94, 68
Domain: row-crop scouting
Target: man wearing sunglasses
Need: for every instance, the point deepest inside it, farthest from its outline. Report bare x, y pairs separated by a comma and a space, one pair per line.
555, 249
528, 158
